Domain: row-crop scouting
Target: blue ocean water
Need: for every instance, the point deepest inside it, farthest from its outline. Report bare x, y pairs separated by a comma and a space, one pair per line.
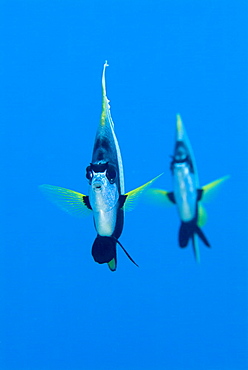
59, 309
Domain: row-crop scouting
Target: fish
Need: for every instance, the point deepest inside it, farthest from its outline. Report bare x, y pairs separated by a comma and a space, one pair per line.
187, 194
106, 199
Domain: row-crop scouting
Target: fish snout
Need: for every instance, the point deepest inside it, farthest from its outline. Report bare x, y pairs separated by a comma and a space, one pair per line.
97, 184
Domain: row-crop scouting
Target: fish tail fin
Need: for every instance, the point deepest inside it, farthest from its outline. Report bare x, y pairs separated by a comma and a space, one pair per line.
104, 251
112, 264
196, 248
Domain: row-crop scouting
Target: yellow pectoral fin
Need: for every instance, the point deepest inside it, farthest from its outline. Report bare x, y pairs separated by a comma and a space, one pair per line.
158, 197
134, 195
211, 189
202, 215
69, 201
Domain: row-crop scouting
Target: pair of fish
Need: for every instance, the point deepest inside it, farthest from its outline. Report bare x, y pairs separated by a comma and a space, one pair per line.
107, 199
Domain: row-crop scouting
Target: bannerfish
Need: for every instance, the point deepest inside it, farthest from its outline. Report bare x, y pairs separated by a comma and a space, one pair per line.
107, 199
187, 194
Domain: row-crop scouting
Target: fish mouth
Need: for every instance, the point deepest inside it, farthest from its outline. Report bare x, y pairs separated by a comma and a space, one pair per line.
97, 186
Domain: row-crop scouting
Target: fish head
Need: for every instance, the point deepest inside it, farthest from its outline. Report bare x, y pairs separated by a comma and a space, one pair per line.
103, 191
180, 153
181, 157
99, 182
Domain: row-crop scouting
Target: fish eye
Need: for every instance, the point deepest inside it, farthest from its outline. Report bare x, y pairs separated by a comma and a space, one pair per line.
89, 173
111, 174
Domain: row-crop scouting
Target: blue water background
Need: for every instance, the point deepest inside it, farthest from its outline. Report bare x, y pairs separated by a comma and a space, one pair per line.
59, 309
